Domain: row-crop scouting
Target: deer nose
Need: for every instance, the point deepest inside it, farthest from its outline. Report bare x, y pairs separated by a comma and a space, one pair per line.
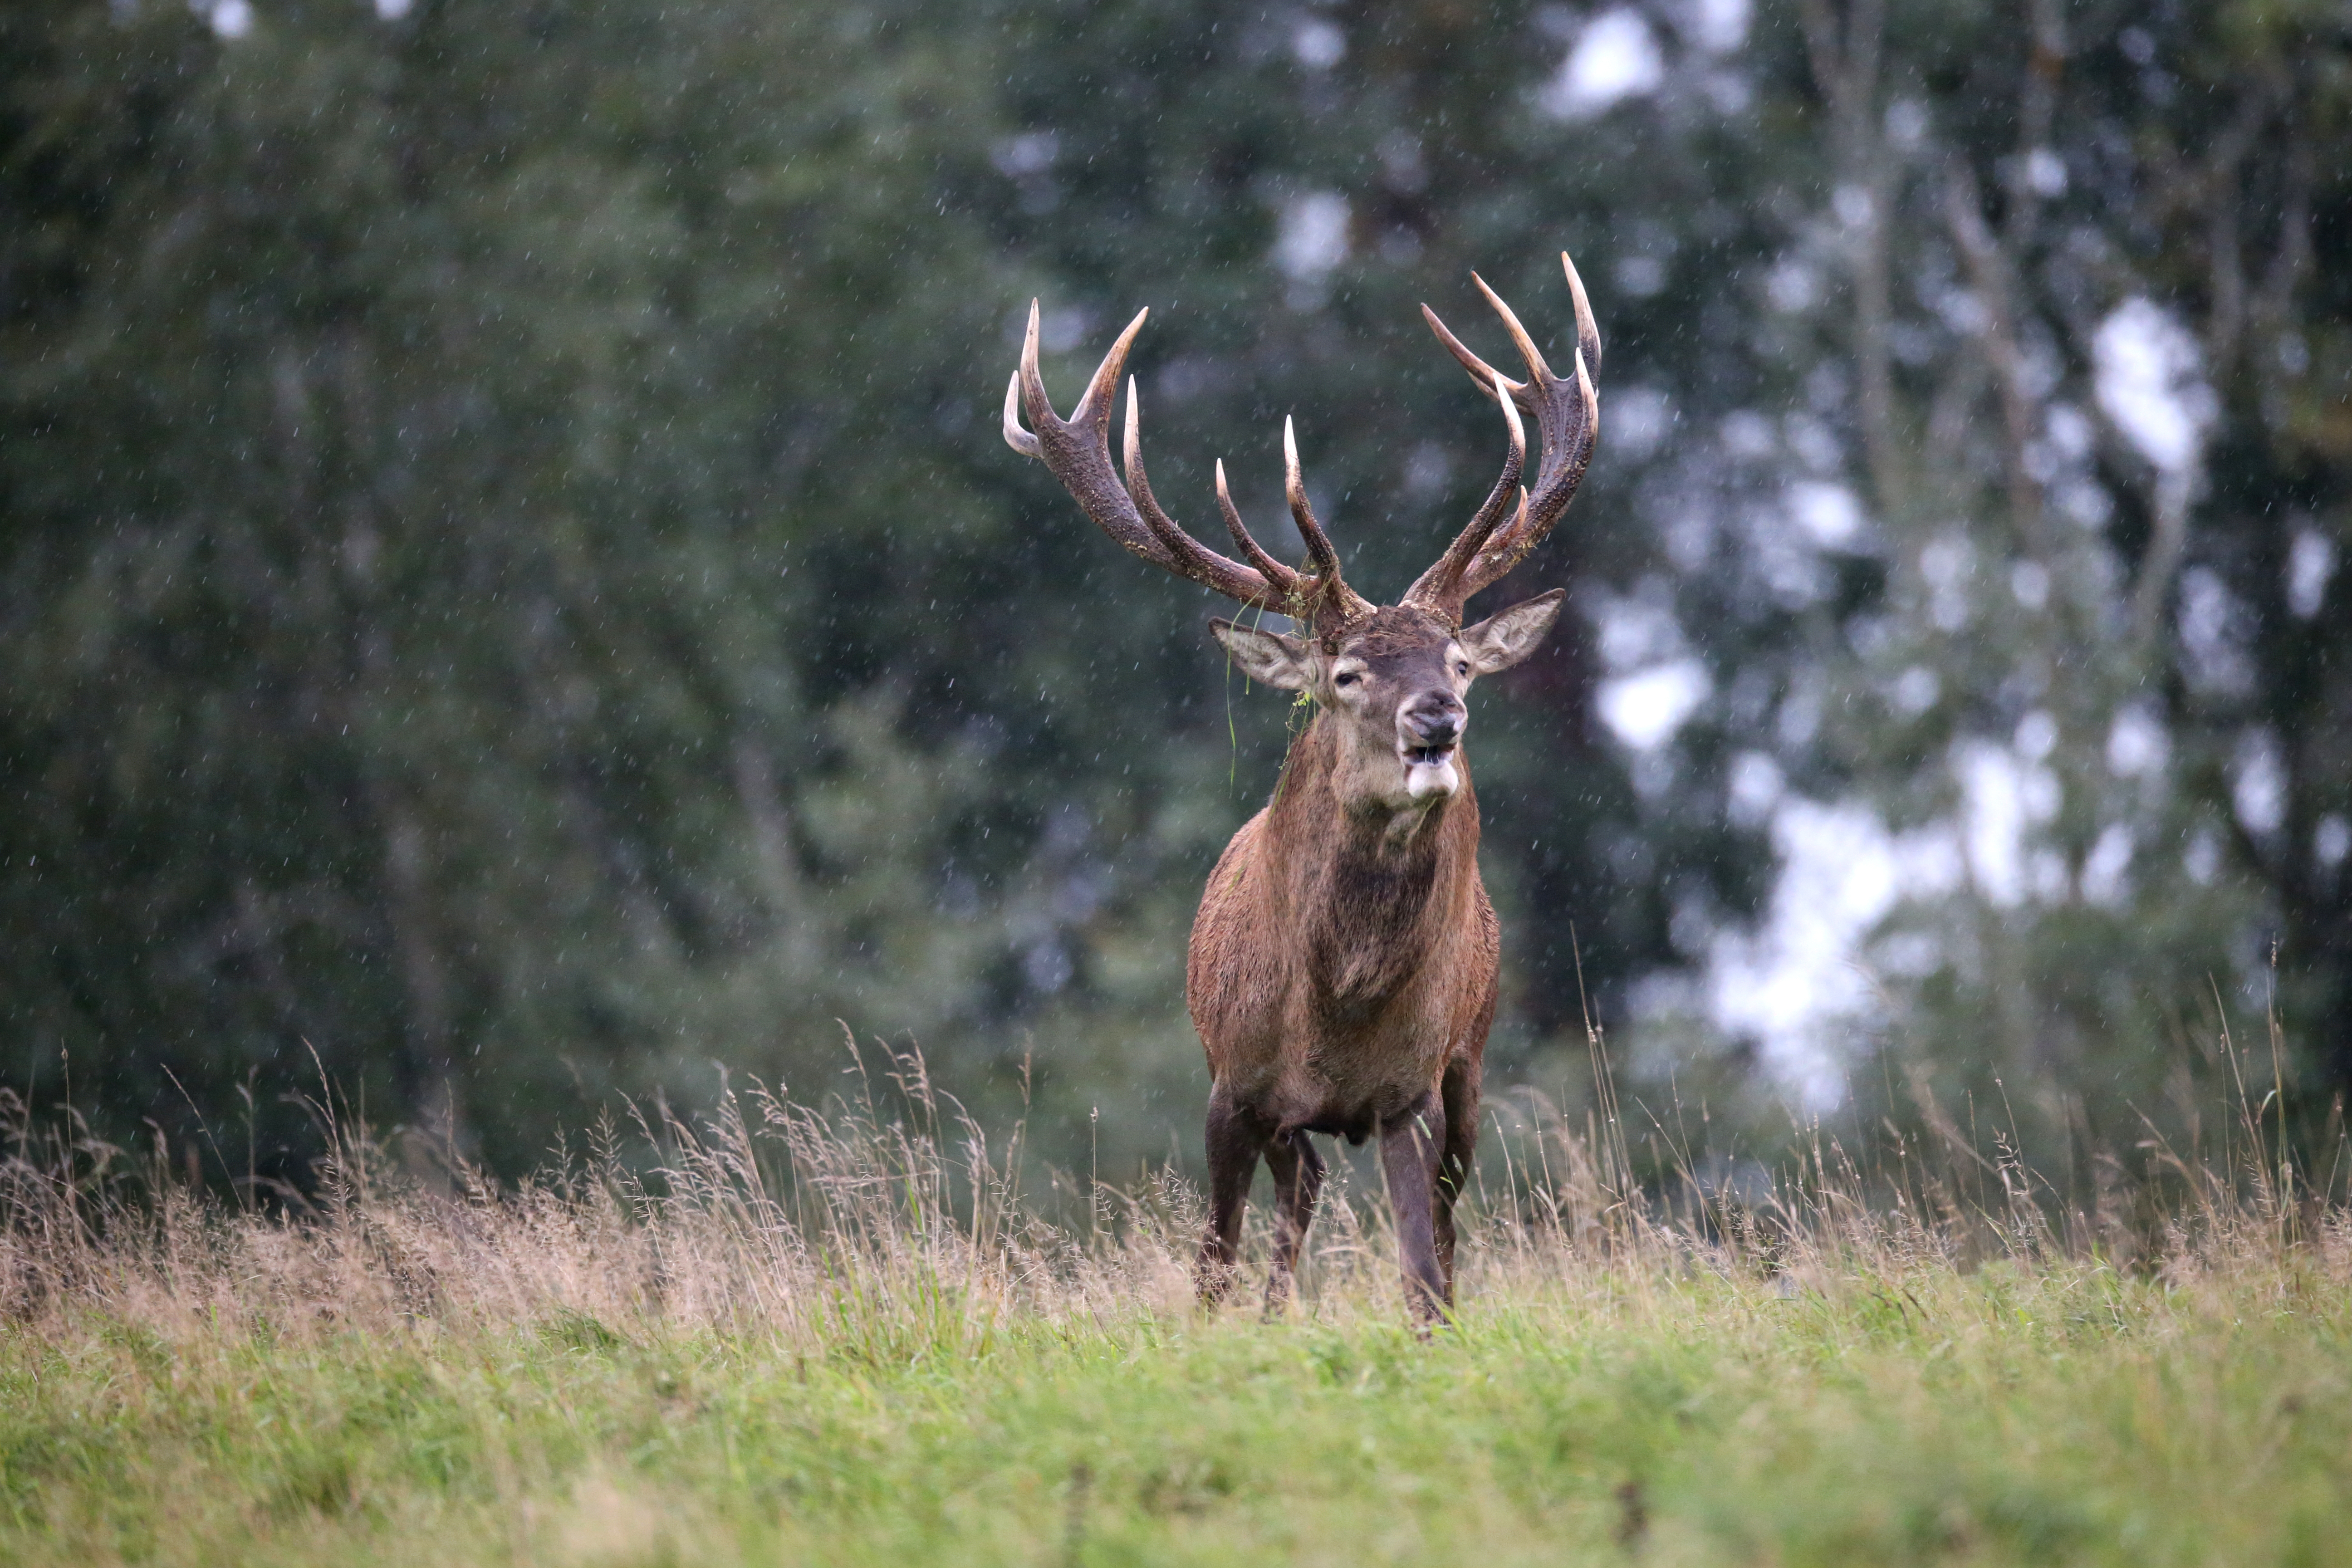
1434, 719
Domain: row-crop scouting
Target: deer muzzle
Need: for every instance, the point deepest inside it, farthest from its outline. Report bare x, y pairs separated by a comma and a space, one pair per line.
1429, 728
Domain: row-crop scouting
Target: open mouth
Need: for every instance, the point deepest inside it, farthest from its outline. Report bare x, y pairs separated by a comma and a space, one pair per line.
1427, 756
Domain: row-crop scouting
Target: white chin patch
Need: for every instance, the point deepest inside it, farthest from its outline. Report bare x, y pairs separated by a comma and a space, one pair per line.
1425, 779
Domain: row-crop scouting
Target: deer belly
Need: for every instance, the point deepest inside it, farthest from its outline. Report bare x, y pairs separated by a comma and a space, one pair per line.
1347, 1086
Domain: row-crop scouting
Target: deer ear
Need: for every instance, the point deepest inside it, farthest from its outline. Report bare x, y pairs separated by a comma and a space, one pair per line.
1504, 638
1267, 657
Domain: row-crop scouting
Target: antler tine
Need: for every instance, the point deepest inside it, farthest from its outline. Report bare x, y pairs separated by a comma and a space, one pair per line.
1538, 371
1484, 374
1273, 571
1138, 485
1017, 439
1104, 387
1029, 385
1438, 586
1588, 336
1034, 401
1077, 452
1294, 490
1335, 601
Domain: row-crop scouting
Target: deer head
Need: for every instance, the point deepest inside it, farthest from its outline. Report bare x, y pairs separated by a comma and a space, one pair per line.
1394, 681
1393, 677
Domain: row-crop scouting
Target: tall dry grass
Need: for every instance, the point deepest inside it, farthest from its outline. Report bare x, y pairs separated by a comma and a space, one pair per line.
907, 1232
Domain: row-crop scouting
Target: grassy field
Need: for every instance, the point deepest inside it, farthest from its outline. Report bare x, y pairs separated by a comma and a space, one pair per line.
824, 1341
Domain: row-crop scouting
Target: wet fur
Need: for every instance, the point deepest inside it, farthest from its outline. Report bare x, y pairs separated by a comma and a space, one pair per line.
1342, 975
1332, 973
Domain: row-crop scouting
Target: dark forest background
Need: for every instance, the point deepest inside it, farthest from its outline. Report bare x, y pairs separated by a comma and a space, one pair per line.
509, 581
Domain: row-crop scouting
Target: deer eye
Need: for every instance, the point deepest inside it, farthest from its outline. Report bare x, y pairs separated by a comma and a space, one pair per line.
1345, 678
1461, 667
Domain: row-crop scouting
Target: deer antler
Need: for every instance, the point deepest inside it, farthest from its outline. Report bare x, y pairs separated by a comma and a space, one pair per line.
1568, 413
1076, 451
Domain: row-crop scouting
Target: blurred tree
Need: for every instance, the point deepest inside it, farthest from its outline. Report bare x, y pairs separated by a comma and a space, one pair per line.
2065, 290
421, 573
509, 576
512, 583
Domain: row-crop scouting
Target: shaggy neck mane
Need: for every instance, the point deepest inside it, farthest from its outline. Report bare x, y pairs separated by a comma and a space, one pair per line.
1365, 887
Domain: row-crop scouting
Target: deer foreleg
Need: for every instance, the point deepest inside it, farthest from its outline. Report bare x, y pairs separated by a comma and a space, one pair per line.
1236, 1139
1297, 1182
1460, 1089
1410, 1147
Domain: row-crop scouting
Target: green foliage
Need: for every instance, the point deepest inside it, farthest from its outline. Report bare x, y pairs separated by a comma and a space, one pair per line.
508, 581
511, 581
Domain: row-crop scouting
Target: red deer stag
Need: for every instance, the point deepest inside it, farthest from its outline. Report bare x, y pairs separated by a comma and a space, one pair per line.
1342, 965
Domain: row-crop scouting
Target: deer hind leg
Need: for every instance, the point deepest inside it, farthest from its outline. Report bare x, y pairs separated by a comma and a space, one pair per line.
1459, 1091
1236, 1137
1410, 1147
1298, 1170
